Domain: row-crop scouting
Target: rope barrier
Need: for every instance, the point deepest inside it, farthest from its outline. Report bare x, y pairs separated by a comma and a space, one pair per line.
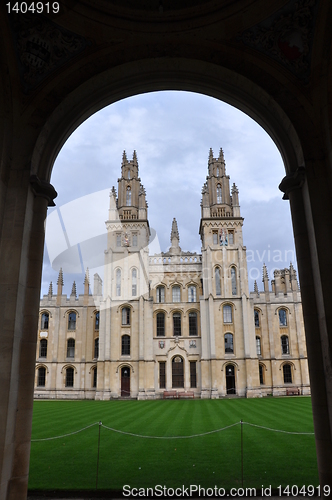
64, 435
172, 437
279, 430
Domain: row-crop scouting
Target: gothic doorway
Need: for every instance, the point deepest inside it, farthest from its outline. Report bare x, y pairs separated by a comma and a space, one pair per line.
125, 382
177, 372
230, 380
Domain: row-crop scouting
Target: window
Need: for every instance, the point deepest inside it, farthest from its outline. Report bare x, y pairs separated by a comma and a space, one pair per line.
258, 346
41, 377
160, 294
126, 316
176, 293
96, 348
94, 380
162, 374
134, 282
160, 324
128, 197
71, 348
177, 372
256, 316
44, 321
97, 320
215, 237
177, 324
261, 375
134, 240
227, 310
128, 174
287, 371
217, 171
282, 317
231, 237
284, 344
219, 197
118, 240
43, 348
192, 294
118, 282
192, 323
72, 321
233, 278
229, 348
193, 374
70, 377
125, 346
217, 279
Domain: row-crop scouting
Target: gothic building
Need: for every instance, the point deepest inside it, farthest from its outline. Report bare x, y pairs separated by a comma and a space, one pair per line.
177, 323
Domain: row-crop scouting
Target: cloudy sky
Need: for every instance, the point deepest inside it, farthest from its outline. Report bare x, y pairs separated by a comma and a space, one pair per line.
172, 133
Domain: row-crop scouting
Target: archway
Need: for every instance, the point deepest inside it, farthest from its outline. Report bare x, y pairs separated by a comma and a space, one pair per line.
230, 380
177, 372
125, 382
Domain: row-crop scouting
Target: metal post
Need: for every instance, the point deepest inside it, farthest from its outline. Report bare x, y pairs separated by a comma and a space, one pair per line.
241, 453
100, 424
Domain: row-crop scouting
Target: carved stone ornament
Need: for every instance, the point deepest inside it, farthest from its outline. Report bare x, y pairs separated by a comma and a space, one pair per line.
43, 189
161, 344
42, 47
292, 181
287, 36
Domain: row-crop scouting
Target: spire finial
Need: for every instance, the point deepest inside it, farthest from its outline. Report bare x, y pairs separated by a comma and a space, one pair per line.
73, 290
86, 277
135, 157
175, 231
60, 277
256, 287
124, 157
50, 289
265, 274
210, 155
221, 154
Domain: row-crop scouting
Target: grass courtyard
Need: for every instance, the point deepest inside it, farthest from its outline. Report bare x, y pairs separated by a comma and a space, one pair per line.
269, 458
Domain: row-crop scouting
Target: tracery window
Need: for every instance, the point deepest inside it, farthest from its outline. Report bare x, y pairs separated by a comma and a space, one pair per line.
287, 372
41, 377
258, 346
256, 316
177, 324
97, 320
43, 348
282, 317
125, 316
284, 344
261, 375
70, 377
96, 353
44, 321
192, 323
72, 321
227, 312
128, 197
219, 196
176, 293
70, 348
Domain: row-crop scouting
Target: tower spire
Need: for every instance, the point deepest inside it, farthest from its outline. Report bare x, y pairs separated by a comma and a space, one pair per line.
175, 238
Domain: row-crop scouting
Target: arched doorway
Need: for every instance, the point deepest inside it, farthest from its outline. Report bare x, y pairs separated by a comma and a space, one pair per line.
125, 382
177, 372
230, 380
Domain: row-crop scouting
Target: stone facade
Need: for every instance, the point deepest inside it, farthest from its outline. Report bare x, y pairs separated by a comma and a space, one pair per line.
177, 322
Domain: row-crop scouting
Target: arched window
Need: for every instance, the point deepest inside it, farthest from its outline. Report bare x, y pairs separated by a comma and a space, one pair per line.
176, 293
191, 293
219, 196
96, 353
94, 377
287, 372
128, 174
41, 378
256, 316
217, 171
71, 348
227, 313
177, 324
134, 282
282, 317
229, 347
217, 280
118, 282
72, 321
97, 320
233, 278
284, 344
261, 375
43, 348
258, 346
192, 323
128, 197
125, 316
70, 377
160, 294
44, 321
125, 345
160, 324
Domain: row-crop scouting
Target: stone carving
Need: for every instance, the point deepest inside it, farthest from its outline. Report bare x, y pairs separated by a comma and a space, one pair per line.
42, 47
287, 36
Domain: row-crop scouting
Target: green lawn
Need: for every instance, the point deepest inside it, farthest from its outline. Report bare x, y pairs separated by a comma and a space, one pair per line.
269, 458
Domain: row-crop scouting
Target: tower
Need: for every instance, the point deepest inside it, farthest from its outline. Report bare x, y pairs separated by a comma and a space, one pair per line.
228, 340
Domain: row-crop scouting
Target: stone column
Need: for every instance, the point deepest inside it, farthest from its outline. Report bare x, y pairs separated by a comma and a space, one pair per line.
21, 257
311, 215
